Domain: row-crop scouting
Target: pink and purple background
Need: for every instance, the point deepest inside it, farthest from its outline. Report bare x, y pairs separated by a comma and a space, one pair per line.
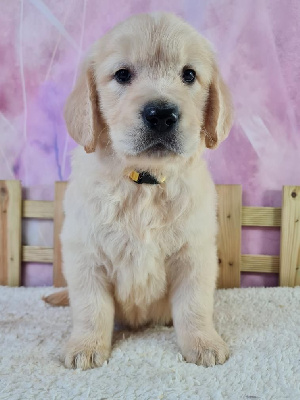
258, 46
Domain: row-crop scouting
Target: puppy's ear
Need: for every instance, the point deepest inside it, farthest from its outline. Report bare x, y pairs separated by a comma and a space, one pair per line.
218, 112
82, 111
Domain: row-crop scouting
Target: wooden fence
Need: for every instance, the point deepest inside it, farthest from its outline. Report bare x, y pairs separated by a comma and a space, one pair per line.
231, 214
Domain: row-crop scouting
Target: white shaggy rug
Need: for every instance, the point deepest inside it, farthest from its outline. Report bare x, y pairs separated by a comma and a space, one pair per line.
261, 326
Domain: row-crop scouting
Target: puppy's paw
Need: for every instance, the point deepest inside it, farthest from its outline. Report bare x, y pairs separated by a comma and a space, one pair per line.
207, 349
85, 353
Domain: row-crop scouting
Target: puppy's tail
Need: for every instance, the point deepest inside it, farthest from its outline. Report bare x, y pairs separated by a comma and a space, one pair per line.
59, 299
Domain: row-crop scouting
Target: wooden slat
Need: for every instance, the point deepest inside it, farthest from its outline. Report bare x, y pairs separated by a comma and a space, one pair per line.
58, 278
229, 237
37, 254
290, 237
260, 263
261, 216
38, 209
10, 233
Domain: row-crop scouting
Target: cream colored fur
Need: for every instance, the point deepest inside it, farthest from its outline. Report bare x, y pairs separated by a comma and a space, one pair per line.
134, 253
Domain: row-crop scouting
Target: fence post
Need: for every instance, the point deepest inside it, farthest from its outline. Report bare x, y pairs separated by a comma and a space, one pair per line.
58, 278
10, 232
290, 237
229, 236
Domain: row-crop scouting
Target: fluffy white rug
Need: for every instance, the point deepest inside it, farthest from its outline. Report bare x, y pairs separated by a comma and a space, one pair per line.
261, 326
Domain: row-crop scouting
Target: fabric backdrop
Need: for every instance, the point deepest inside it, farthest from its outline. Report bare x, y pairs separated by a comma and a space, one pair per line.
258, 47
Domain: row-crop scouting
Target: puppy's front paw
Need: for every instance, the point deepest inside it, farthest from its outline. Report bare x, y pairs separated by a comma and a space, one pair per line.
85, 353
207, 349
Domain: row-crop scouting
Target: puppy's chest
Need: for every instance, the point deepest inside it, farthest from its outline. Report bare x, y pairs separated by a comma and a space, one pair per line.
141, 233
143, 220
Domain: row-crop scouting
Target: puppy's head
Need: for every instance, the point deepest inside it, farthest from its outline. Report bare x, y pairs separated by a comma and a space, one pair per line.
150, 88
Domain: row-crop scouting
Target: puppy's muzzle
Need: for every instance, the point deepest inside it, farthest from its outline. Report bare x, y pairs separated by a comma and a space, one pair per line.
160, 117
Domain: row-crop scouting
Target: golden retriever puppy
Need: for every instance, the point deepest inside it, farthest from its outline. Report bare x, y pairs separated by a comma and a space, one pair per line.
139, 237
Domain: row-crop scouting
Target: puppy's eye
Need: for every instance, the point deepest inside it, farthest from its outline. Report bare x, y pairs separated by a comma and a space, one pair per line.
123, 75
188, 75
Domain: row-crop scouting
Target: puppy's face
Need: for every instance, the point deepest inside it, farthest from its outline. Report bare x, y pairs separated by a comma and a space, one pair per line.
150, 89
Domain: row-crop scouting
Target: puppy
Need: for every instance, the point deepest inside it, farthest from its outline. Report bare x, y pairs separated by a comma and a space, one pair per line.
139, 237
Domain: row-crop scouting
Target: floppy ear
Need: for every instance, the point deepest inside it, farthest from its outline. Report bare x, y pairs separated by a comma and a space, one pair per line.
82, 111
218, 112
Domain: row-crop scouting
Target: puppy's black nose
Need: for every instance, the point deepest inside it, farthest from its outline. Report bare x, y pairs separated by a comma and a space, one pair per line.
160, 117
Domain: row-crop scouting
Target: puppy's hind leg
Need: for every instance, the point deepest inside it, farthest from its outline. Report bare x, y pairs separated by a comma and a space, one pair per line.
59, 299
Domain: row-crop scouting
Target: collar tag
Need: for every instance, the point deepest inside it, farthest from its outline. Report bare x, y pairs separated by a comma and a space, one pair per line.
145, 177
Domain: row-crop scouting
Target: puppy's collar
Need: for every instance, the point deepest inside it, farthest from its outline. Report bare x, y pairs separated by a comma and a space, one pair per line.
145, 177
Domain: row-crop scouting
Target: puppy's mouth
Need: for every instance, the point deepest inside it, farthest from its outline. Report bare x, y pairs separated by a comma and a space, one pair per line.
159, 147
158, 150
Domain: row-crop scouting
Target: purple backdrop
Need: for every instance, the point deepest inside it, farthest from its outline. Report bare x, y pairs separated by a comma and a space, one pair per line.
258, 45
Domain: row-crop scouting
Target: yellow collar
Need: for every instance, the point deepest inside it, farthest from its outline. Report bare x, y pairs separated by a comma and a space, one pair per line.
145, 177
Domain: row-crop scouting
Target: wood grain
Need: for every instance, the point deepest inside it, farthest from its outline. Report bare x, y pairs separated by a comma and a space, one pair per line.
260, 263
261, 216
38, 209
58, 278
290, 237
37, 254
229, 237
10, 233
